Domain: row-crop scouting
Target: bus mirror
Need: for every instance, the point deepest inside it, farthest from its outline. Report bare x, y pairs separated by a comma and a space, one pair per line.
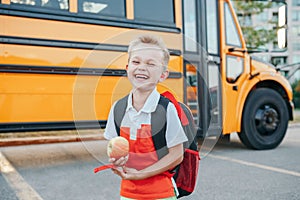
281, 38
282, 16
282, 32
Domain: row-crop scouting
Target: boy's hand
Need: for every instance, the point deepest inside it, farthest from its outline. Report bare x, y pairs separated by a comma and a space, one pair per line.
120, 162
127, 173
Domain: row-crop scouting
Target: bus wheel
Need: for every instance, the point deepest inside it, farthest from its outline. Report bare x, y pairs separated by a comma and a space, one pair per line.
265, 120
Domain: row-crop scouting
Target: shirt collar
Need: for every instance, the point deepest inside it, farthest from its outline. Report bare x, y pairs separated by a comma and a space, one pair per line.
150, 104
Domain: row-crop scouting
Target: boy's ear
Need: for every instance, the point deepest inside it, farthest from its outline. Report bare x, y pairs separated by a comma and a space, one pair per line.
126, 67
164, 76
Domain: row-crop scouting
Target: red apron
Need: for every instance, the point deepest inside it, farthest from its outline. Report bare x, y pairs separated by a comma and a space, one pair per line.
141, 155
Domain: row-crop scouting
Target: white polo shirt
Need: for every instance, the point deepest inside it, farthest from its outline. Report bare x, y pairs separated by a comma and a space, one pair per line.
133, 119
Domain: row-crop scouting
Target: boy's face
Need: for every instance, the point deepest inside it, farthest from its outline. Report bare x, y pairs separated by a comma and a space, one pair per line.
146, 67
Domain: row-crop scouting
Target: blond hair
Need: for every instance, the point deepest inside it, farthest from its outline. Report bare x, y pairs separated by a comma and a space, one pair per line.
153, 40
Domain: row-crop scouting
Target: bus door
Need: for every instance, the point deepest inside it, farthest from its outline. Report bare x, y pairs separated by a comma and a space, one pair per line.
202, 65
234, 64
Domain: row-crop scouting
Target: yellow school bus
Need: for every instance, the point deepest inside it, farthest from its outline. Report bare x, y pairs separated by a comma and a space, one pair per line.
62, 65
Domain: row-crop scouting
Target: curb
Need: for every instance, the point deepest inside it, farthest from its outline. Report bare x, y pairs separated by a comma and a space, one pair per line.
49, 139
61, 139
294, 125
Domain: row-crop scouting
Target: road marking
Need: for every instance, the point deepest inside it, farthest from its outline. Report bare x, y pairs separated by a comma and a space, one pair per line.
266, 167
22, 189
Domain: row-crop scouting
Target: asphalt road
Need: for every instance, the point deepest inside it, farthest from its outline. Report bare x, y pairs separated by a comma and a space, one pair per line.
64, 171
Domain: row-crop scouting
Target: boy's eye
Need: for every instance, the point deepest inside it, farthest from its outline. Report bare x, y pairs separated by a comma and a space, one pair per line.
151, 64
135, 62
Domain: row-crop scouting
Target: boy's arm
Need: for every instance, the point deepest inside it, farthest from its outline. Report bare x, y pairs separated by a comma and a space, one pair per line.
171, 160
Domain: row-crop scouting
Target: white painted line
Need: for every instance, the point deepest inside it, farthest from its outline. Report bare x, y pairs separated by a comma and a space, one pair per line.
266, 167
22, 189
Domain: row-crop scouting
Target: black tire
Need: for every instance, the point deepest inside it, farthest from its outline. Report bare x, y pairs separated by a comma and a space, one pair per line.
265, 120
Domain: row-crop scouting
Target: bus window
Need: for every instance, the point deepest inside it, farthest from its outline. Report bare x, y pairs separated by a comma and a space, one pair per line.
214, 93
232, 37
191, 88
102, 7
51, 4
154, 10
234, 68
190, 29
212, 32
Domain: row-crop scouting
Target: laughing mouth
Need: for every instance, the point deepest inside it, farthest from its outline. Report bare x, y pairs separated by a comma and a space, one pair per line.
141, 76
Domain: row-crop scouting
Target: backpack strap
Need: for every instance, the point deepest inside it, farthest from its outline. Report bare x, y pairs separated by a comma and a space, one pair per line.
181, 114
119, 112
159, 127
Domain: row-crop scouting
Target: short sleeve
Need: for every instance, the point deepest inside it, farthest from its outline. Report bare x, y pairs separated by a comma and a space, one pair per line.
110, 130
174, 133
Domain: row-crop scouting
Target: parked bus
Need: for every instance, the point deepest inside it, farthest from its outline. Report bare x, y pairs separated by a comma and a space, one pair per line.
62, 65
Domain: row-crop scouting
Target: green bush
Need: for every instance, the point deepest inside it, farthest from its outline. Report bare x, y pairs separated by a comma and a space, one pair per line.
296, 93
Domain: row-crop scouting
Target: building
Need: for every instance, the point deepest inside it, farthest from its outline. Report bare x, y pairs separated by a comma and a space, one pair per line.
293, 31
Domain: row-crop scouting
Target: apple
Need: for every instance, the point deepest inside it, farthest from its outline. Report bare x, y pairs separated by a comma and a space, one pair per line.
117, 147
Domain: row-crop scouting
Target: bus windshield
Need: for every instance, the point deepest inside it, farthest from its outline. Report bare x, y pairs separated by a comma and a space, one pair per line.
263, 24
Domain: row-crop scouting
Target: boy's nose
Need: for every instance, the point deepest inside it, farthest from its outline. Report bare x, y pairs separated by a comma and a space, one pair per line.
141, 67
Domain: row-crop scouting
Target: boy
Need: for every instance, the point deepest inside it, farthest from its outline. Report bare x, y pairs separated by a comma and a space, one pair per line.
144, 176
